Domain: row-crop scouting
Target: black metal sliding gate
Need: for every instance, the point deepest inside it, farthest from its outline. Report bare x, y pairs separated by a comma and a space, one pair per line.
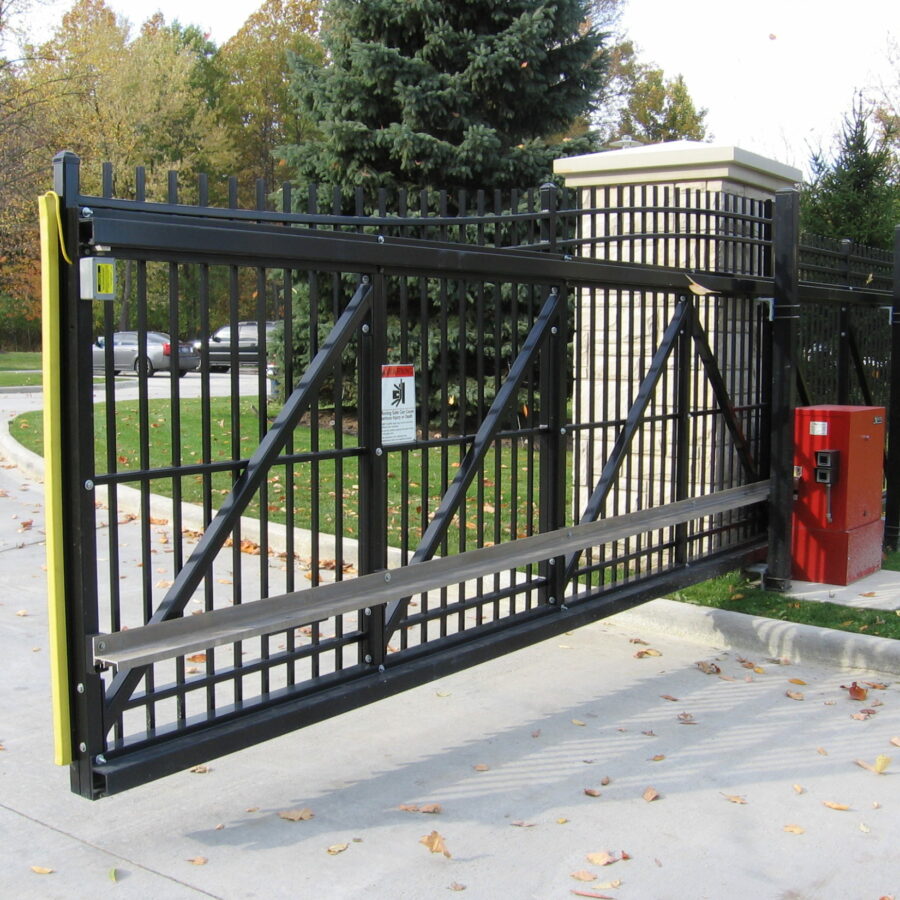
484, 438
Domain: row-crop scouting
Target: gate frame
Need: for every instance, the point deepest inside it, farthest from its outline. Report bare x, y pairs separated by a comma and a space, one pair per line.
166, 238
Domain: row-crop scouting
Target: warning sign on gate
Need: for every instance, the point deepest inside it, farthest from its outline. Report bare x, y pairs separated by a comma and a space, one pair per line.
398, 404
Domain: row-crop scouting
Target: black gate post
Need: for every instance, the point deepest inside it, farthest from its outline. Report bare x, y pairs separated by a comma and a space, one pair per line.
892, 502
372, 467
553, 380
785, 314
77, 474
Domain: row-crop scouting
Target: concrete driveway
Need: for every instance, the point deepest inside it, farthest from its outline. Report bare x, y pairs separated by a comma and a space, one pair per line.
574, 767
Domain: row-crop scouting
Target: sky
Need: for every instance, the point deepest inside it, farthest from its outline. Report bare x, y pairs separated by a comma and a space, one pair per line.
776, 76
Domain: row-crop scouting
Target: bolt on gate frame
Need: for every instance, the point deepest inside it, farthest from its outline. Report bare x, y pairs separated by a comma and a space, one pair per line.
225, 568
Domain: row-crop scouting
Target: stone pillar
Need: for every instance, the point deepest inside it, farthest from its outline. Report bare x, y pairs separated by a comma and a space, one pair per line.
678, 205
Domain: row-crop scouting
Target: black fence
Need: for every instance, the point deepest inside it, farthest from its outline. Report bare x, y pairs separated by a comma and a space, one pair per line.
481, 421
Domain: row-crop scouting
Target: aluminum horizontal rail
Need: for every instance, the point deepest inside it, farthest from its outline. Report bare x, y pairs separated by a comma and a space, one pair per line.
176, 637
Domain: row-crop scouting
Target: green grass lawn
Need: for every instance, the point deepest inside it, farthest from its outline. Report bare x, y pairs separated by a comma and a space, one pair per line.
736, 593
16, 361
325, 493
19, 379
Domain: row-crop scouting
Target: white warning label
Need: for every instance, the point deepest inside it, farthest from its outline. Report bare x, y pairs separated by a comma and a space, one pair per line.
820, 428
398, 404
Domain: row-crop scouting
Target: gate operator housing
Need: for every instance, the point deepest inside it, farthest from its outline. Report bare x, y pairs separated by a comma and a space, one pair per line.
839, 475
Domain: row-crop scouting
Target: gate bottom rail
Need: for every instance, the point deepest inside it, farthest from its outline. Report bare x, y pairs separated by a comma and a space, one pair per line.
176, 637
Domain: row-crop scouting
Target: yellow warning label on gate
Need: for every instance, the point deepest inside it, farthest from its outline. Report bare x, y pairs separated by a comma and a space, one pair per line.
106, 278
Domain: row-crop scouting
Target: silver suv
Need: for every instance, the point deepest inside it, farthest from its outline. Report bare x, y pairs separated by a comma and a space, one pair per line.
222, 340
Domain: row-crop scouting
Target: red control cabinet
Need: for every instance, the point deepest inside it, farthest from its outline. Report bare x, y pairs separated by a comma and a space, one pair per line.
838, 474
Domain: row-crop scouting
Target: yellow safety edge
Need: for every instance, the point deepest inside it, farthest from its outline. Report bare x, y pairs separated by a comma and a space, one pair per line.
52, 379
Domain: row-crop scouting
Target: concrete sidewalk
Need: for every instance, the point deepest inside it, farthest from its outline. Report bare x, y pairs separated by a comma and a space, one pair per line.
507, 750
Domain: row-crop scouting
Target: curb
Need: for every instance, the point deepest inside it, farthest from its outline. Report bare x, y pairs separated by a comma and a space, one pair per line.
31, 464
765, 637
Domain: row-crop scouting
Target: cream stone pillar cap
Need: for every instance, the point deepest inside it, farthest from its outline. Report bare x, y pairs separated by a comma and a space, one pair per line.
692, 164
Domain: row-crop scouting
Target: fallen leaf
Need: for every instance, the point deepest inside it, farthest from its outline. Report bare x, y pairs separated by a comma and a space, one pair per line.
759, 670
219, 827
855, 691
583, 875
334, 849
636, 641
562, 820
796, 681
650, 794
876, 685
520, 824
735, 798
443, 693
297, 815
794, 695
198, 860
164, 584
41, 870
430, 809
881, 763
650, 733
648, 652
863, 714
22, 613
197, 657
864, 828
709, 668
200, 770
114, 875
658, 758
25, 524
669, 697
481, 767
686, 718
602, 858
605, 780
577, 722
832, 805
456, 886
869, 594
821, 751
435, 843
794, 829
799, 789
594, 894
592, 792
536, 734
895, 741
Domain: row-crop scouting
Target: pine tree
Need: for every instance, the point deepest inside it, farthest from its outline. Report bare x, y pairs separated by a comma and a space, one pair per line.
856, 195
456, 95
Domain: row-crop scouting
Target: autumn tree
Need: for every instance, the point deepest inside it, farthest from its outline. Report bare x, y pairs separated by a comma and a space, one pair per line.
646, 105
254, 104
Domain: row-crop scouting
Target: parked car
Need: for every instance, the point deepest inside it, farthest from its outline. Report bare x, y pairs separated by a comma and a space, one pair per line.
160, 352
222, 340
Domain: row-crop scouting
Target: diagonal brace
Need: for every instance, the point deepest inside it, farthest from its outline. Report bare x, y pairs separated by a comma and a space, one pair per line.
481, 443
720, 390
219, 529
632, 423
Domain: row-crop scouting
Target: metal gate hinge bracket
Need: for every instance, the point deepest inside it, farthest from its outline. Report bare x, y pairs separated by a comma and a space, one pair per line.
767, 301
